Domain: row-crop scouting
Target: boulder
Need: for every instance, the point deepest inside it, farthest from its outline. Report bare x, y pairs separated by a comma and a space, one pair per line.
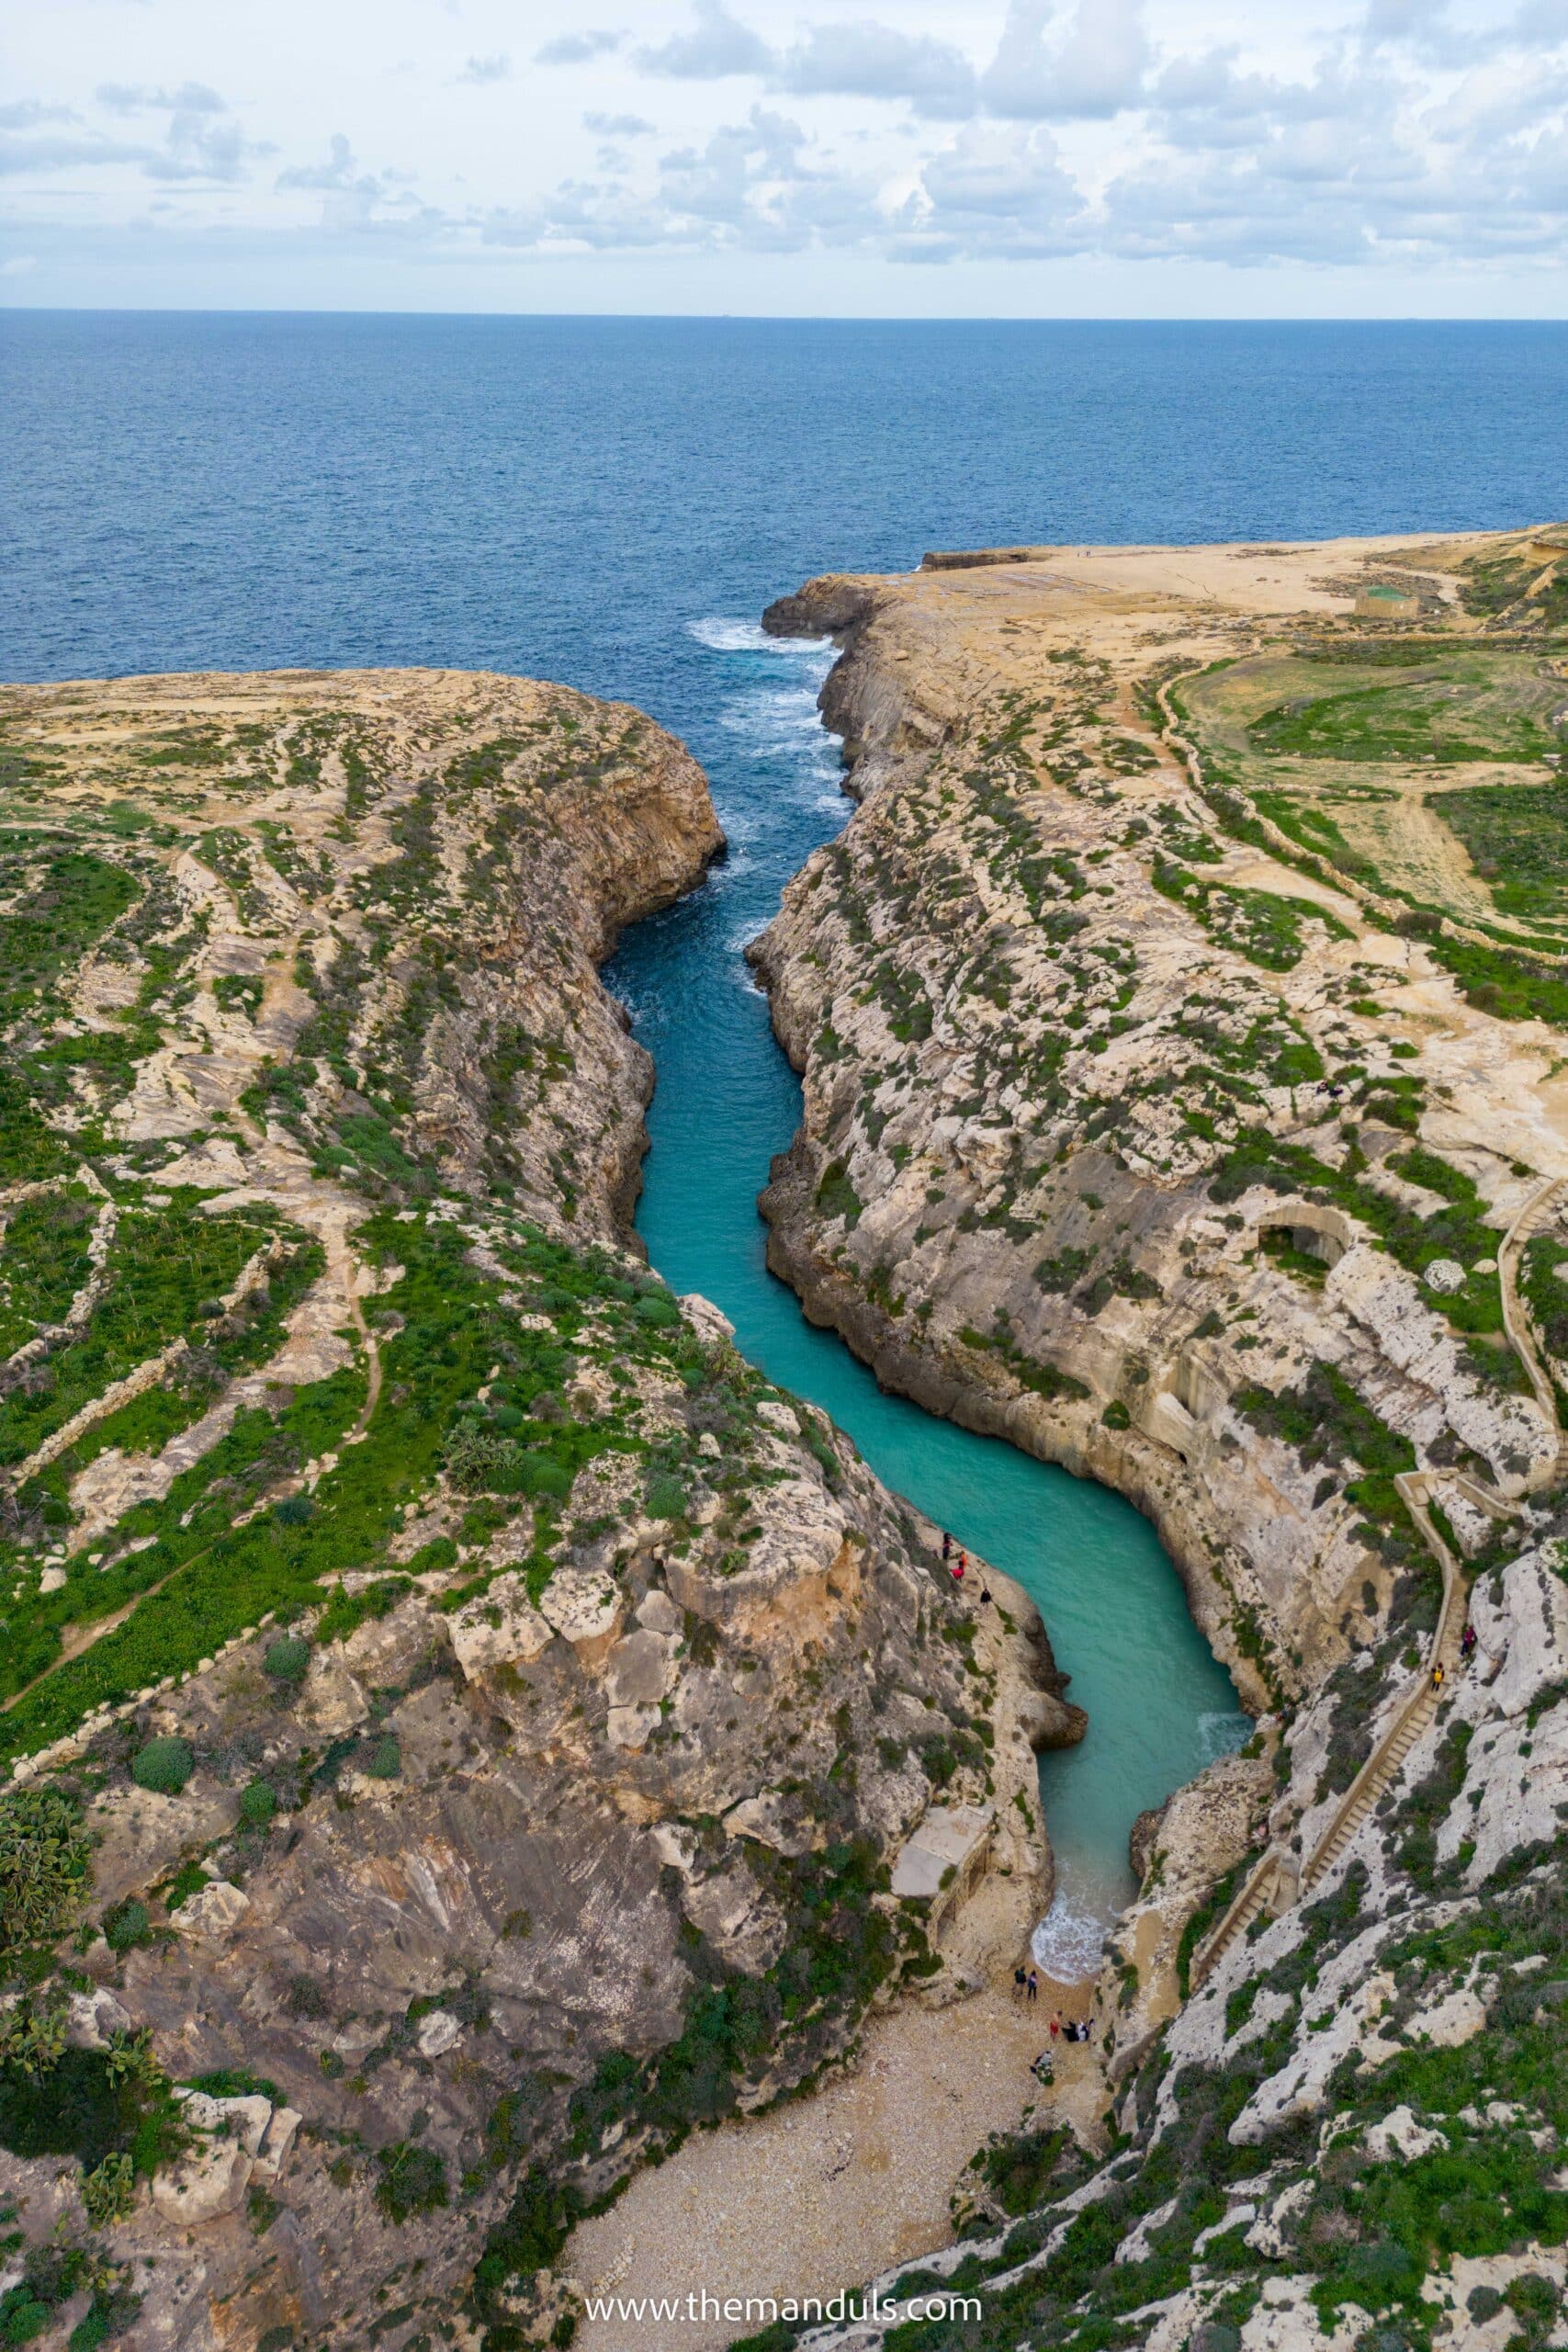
658, 1613
438, 2033
276, 2145
775, 1820
632, 1727
499, 1627
93, 2017
331, 1702
584, 1606
641, 1670
215, 1910
207, 2183
705, 1320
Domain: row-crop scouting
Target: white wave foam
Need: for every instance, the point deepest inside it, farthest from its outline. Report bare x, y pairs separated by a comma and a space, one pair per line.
1068, 1941
1221, 1734
723, 636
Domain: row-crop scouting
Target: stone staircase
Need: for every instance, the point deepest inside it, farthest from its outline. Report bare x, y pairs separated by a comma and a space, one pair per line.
1275, 1881
1267, 1890
1536, 1215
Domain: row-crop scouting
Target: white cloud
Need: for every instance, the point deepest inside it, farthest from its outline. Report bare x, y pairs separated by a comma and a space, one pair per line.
1390, 137
998, 190
191, 97
719, 45
577, 48
871, 61
1051, 69
22, 114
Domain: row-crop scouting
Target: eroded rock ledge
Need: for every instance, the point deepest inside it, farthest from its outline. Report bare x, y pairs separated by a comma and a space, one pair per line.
468, 1728
1181, 1033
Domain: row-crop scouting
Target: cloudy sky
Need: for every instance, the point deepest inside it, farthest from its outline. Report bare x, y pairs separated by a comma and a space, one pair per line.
877, 157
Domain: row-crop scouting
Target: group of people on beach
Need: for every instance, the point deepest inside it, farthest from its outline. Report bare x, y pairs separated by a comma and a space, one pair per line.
1067, 2030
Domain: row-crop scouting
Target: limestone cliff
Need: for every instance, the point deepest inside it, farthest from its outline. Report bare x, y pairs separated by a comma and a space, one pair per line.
467, 1728
1181, 1021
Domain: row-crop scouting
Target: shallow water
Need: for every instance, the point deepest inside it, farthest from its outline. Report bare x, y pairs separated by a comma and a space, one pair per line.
611, 501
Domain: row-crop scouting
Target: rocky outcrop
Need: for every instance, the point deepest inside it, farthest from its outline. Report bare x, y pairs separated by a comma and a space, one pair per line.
487, 1717
1057, 1131
1090, 1161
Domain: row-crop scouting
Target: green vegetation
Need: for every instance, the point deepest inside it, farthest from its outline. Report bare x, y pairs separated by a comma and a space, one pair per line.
1457, 712
165, 1268
1258, 924
44, 1853
1327, 1422
1518, 838
165, 1765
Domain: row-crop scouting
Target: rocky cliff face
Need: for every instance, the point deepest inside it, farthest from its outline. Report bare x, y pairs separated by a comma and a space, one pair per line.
1181, 1059
466, 1727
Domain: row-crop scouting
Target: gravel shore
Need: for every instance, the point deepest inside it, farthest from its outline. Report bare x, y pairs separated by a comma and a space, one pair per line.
827, 2192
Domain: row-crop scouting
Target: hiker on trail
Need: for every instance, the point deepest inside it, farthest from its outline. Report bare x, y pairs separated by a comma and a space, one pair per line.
1437, 1676
1034, 1985
1019, 1979
1467, 1641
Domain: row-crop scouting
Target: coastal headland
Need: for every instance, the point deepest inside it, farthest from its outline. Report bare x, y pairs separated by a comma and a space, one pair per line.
1181, 1019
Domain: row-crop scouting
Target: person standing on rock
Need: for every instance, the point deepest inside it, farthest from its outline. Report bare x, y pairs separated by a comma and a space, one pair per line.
1055, 2023
946, 1547
1019, 1979
1035, 1984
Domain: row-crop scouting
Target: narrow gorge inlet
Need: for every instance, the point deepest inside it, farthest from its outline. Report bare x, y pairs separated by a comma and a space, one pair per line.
607, 1075
724, 1101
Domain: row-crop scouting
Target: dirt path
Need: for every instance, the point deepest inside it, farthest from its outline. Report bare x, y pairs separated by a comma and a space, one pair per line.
1409, 842
827, 2192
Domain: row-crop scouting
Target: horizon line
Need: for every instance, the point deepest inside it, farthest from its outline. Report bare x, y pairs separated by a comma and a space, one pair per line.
782, 318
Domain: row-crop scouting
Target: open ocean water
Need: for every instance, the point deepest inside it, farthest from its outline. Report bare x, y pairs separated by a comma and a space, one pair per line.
612, 503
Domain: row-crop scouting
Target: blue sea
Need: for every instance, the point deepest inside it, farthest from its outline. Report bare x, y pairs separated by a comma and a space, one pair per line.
612, 503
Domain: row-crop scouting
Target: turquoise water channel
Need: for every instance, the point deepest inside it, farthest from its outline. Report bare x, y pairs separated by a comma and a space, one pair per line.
1158, 1704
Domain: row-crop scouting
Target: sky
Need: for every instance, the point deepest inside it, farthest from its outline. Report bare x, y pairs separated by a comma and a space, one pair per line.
876, 158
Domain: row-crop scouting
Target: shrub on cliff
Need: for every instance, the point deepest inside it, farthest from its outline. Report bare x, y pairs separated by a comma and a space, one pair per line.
288, 1658
666, 1496
258, 1804
413, 2180
165, 1766
126, 1925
